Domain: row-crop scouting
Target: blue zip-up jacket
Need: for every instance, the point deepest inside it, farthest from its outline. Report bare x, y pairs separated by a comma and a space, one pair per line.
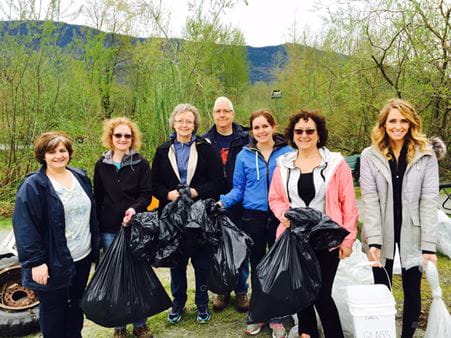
39, 228
252, 176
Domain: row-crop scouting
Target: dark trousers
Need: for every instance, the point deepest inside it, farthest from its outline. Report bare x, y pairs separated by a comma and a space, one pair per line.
411, 284
261, 227
324, 303
199, 260
60, 314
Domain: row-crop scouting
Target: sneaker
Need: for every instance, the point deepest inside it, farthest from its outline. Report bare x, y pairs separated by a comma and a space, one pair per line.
253, 329
120, 333
220, 302
203, 316
242, 302
175, 315
278, 331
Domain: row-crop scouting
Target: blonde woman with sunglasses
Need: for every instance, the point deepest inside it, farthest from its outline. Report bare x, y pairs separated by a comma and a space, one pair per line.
317, 178
122, 187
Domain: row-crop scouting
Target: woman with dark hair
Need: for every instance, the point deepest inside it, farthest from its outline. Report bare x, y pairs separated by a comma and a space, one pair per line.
399, 182
122, 188
252, 176
317, 178
56, 235
190, 160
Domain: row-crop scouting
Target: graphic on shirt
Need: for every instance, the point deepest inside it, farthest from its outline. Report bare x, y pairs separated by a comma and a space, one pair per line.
224, 155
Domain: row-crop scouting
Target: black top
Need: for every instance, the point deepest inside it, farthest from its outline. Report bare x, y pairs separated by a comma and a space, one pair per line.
207, 179
117, 190
240, 139
306, 188
398, 168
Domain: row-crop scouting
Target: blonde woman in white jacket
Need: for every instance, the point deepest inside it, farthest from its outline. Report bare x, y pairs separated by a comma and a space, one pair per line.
399, 184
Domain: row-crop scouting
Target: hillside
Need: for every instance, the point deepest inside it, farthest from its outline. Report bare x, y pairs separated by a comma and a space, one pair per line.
261, 60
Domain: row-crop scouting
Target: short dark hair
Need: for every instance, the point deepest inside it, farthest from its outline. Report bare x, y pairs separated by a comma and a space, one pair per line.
316, 117
49, 141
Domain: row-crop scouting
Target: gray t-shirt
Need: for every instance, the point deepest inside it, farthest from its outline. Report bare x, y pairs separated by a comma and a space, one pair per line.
77, 211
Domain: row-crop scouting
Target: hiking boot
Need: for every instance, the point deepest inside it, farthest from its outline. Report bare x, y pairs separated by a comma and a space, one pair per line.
175, 315
253, 329
242, 302
203, 316
142, 332
220, 302
278, 331
120, 333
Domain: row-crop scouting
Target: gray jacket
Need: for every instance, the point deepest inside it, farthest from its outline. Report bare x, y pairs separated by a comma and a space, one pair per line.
420, 188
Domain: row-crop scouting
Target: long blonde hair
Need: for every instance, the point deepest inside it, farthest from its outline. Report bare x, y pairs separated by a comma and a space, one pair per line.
414, 136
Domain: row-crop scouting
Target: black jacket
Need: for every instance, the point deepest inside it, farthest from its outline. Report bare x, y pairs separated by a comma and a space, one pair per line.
39, 228
207, 178
117, 190
241, 138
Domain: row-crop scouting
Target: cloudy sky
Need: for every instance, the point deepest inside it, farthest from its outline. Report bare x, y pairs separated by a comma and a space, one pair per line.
265, 22
262, 22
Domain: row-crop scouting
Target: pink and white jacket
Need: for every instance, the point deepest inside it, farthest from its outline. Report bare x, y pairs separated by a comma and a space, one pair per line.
339, 202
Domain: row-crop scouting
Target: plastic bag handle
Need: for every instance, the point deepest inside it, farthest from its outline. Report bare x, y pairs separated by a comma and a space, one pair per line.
372, 264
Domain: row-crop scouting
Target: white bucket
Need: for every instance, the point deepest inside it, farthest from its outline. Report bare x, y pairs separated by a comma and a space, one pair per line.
373, 311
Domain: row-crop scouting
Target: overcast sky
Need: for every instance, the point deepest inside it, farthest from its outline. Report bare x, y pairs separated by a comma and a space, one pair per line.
262, 22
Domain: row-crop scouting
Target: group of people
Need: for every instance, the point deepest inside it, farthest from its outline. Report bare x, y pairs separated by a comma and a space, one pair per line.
256, 174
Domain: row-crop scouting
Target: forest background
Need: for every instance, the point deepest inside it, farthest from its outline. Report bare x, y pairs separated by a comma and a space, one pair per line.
369, 51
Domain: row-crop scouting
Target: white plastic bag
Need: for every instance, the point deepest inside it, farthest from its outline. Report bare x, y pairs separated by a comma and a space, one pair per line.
353, 270
439, 320
444, 234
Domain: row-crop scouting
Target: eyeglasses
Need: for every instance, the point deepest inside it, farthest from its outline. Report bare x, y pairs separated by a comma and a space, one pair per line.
225, 111
187, 122
302, 131
126, 136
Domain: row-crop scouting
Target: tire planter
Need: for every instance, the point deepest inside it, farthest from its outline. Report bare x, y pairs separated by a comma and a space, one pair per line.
19, 306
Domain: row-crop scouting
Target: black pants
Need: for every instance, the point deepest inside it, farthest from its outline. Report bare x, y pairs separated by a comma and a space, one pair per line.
324, 304
261, 226
179, 283
60, 314
411, 284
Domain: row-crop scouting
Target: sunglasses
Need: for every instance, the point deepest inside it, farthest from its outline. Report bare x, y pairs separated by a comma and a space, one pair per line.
302, 131
126, 136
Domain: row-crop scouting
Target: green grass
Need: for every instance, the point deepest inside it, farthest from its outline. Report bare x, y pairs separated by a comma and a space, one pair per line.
5, 224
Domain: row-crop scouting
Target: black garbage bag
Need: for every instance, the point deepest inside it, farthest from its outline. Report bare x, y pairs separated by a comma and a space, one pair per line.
123, 290
322, 232
202, 220
145, 230
172, 226
229, 255
287, 279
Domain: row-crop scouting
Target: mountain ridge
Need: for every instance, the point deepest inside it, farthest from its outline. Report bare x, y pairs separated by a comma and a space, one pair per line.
262, 60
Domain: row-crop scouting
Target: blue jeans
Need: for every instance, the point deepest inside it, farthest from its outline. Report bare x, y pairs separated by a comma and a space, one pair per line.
60, 314
106, 239
201, 264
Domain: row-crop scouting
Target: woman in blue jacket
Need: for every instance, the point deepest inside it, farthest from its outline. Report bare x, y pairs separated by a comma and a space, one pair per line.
254, 168
56, 235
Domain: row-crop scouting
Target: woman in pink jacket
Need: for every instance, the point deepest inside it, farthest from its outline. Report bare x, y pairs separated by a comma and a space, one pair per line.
317, 178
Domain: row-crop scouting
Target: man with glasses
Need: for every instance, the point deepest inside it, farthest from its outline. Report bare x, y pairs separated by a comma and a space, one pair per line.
228, 138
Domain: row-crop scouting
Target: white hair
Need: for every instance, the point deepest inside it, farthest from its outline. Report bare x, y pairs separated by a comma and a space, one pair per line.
223, 99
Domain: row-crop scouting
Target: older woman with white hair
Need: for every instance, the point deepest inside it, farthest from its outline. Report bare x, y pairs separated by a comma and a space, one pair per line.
187, 159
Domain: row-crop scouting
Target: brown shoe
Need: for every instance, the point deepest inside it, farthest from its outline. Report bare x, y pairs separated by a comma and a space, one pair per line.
242, 302
142, 332
120, 333
220, 302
